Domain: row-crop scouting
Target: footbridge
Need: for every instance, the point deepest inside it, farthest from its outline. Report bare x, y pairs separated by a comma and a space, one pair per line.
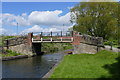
31, 43
54, 37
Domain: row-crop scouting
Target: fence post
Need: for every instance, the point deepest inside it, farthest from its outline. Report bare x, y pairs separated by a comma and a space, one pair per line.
61, 33
7, 42
51, 35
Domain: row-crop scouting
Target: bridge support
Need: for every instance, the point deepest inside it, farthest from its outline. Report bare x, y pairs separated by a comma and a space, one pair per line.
87, 44
76, 41
35, 47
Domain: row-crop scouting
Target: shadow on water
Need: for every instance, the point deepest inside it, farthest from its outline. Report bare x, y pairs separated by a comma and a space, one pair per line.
113, 69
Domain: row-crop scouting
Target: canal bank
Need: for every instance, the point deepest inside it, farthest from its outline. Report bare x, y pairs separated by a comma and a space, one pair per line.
66, 52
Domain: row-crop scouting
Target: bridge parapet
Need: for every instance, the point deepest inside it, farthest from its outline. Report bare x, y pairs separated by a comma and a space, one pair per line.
98, 41
15, 41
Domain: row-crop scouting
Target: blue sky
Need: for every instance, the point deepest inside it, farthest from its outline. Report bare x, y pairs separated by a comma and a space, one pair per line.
35, 16
27, 7
31, 15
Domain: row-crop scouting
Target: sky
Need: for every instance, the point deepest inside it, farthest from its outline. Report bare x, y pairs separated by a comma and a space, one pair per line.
25, 17
35, 17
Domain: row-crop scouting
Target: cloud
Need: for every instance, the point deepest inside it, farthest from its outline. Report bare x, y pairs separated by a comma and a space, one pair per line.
38, 19
3, 31
11, 19
37, 28
49, 18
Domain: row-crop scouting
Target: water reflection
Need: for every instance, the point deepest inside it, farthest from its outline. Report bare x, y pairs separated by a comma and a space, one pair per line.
34, 67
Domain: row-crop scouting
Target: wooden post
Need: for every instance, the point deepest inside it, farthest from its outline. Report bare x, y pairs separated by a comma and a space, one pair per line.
41, 36
61, 36
51, 35
72, 33
66, 34
61, 33
7, 43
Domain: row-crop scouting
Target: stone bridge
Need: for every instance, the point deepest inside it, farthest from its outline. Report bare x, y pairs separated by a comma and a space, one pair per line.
31, 43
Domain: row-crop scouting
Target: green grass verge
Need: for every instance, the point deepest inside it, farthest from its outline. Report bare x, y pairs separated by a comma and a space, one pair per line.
87, 66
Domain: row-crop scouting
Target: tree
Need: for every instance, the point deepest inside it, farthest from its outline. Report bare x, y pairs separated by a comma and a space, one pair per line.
96, 18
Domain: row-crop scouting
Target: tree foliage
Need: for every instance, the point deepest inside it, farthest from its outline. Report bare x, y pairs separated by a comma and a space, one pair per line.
96, 18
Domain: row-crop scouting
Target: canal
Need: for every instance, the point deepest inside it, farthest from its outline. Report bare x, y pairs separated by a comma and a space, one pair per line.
33, 67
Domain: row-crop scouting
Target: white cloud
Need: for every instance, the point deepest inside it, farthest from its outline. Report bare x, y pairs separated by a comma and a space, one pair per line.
49, 18
37, 28
2, 31
11, 19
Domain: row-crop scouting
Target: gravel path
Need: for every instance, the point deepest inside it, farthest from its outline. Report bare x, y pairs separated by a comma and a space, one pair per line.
113, 49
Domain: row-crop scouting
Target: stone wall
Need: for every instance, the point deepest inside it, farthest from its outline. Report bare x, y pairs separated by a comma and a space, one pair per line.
21, 48
87, 39
19, 45
89, 44
15, 41
86, 48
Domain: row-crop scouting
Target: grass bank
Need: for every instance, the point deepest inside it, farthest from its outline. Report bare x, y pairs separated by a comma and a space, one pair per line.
10, 53
101, 65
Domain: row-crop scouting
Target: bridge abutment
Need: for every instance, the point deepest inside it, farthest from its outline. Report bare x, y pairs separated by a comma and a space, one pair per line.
87, 44
19, 45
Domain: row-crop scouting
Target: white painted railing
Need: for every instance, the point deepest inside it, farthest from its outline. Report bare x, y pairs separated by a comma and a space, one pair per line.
51, 40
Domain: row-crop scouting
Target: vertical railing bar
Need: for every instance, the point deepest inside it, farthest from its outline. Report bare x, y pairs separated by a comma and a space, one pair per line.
41, 39
51, 36
32, 39
61, 33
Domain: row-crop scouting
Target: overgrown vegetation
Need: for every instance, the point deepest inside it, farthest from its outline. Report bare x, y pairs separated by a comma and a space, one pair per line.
113, 43
55, 47
10, 53
88, 66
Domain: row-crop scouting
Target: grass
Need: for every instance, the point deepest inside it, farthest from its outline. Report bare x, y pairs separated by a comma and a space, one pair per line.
86, 66
10, 53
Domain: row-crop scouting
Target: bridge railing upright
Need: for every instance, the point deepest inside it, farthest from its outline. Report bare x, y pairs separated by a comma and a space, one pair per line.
52, 36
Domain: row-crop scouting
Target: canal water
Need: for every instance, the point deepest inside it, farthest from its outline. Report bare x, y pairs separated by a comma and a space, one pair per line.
34, 67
